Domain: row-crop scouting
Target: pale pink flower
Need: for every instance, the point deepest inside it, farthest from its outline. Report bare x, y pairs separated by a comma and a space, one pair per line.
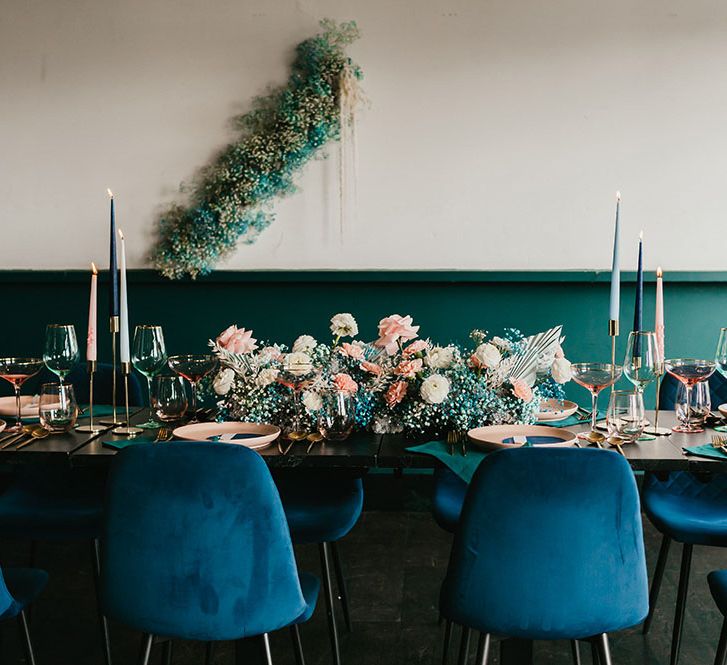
522, 390
409, 368
393, 329
345, 383
372, 368
416, 347
395, 393
352, 350
237, 340
225, 335
273, 352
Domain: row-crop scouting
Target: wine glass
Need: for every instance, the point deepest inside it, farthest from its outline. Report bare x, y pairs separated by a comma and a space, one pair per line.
689, 371
149, 356
336, 415
720, 356
58, 410
642, 359
625, 417
595, 377
193, 368
692, 419
17, 371
61, 349
168, 398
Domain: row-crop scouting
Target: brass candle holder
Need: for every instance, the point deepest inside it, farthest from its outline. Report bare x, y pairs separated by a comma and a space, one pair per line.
126, 428
91, 428
114, 328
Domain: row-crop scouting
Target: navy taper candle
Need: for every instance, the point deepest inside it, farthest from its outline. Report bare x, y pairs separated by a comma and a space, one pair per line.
113, 266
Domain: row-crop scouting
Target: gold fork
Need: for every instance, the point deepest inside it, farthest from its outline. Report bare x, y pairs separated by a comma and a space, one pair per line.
164, 434
719, 442
451, 439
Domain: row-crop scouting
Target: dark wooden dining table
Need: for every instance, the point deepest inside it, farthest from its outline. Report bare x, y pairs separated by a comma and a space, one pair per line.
363, 451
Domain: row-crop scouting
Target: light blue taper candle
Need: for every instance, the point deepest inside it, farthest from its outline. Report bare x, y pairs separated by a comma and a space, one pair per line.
613, 312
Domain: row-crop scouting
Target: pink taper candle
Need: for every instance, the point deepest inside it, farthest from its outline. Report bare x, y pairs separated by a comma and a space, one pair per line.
91, 339
659, 317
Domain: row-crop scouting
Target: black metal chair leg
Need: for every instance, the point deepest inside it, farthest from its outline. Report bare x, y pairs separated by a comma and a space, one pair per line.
575, 652
342, 586
145, 649
209, 653
297, 645
325, 552
720, 657
483, 649
604, 651
676, 636
105, 634
25, 634
656, 582
167, 653
595, 654
447, 640
464, 646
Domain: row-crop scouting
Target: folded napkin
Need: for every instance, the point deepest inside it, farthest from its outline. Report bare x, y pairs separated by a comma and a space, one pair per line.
706, 450
463, 465
233, 437
571, 421
119, 444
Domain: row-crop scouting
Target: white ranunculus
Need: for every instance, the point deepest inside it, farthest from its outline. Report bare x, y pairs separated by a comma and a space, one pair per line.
435, 389
560, 370
304, 344
223, 381
440, 357
502, 343
298, 363
267, 376
344, 325
312, 400
488, 355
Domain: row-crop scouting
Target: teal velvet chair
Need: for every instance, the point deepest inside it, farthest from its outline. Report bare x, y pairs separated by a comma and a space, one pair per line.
19, 587
718, 587
686, 508
549, 547
196, 546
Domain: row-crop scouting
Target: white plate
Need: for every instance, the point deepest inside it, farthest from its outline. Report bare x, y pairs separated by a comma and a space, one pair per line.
553, 410
28, 406
498, 437
256, 435
3, 425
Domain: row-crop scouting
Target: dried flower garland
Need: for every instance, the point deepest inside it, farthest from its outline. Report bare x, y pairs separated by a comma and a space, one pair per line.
279, 136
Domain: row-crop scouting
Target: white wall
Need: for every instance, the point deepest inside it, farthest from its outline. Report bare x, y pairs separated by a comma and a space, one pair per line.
498, 133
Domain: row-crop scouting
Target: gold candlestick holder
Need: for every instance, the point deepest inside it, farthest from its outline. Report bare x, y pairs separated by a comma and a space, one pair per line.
91, 428
613, 334
126, 428
114, 328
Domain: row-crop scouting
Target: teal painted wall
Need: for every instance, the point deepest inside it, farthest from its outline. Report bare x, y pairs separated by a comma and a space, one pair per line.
282, 305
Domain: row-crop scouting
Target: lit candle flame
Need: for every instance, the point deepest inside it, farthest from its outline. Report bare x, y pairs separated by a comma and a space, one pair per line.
618, 196
93, 268
111, 194
641, 235
121, 235
659, 272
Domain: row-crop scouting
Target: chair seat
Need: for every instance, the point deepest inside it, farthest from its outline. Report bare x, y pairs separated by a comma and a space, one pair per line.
320, 508
687, 508
52, 504
310, 585
448, 498
24, 585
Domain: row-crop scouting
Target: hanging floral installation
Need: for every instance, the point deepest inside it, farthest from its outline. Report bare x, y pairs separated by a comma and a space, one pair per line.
282, 133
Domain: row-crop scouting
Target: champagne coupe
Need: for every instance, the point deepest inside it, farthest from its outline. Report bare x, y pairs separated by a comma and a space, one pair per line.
295, 376
689, 371
625, 417
720, 357
642, 359
61, 349
700, 407
193, 368
17, 371
149, 356
595, 377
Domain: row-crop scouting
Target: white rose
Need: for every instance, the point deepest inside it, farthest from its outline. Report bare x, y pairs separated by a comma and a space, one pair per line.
298, 363
560, 370
502, 343
440, 357
487, 355
312, 400
304, 344
266, 377
344, 325
223, 381
435, 389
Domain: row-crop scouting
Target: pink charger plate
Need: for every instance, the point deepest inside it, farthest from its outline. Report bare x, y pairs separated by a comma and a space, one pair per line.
262, 435
493, 437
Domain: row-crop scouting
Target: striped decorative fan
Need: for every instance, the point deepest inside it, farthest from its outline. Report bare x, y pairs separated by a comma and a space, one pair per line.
537, 350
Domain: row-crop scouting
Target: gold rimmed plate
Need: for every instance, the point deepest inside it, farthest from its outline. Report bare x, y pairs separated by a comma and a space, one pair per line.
502, 437
251, 435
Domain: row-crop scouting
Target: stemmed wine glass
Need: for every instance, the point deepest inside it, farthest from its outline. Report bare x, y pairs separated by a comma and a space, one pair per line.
149, 356
689, 371
595, 377
642, 359
720, 356
193, 368
61, 349
17, 371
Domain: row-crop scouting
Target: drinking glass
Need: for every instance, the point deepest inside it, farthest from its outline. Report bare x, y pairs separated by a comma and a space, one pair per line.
689, 371
595, 377
168, 398
193, 368
336, 415
17, 371
58, 409
642, 359
720, 356
625, 417
149, 356
692, 419
61, 349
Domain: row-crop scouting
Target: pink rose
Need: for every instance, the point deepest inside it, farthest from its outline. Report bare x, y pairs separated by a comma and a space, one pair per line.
394, 328
225, 336
273, 352
237, 340
522, 390
416, 347
352, 351
372, 368
409, 368
345, 383
395, 393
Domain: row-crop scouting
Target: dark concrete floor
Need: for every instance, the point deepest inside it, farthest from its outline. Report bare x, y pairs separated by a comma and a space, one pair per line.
395, 562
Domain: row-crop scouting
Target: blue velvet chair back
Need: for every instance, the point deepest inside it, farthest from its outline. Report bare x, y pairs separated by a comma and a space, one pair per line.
6, 600
195, 544
669, 387
550, 546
